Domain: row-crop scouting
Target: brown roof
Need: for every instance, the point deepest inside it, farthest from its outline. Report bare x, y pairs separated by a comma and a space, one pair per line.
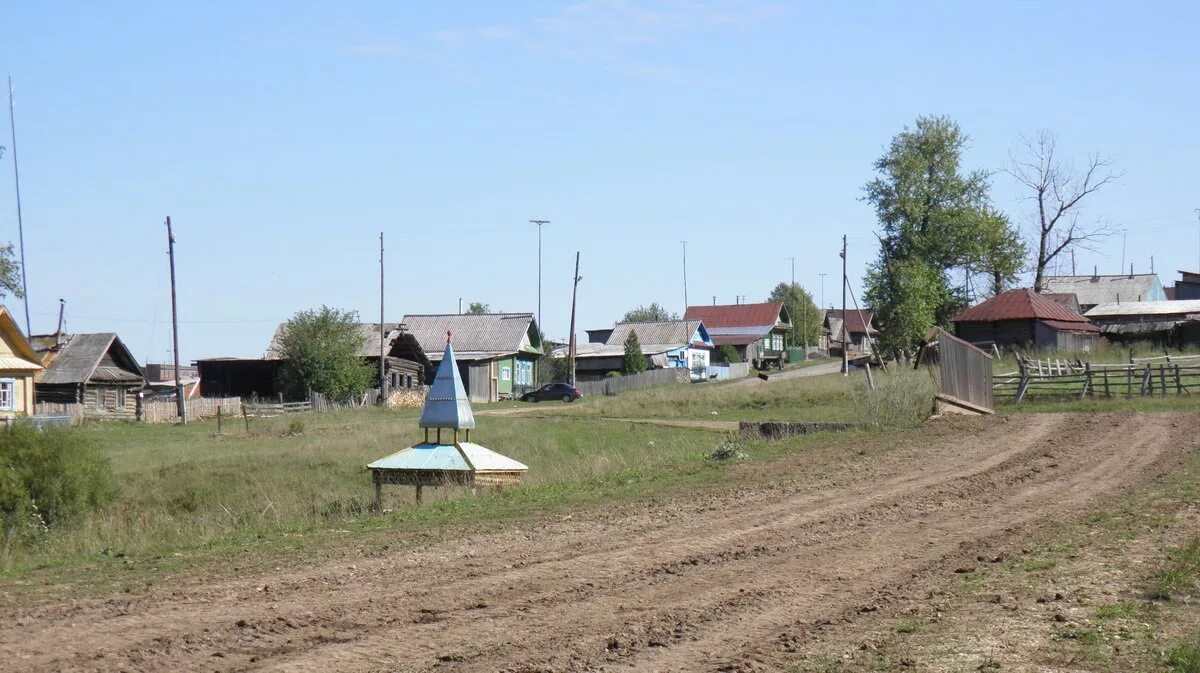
738, 315
857, 321
1025, 304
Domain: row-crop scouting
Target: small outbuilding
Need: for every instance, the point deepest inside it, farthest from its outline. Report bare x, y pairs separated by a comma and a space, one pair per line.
446, 456
1167, 323
95, 370
1025, 319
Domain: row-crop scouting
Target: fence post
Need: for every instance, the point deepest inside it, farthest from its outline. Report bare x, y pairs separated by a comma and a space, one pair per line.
1178, 382
1146, 387
245, 417
1024, 385
1162, 378
1087, 380
218, 420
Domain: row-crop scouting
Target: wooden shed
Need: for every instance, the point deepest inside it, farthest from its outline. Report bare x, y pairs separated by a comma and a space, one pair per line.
1025, 319
95, 370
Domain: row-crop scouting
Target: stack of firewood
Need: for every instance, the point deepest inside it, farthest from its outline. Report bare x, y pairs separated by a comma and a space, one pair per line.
406, 398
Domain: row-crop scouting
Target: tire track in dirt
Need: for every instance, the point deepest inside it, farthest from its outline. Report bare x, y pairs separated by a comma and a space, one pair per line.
701, 584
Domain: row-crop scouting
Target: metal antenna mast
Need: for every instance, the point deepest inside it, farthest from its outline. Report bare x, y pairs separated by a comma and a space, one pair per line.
12, 123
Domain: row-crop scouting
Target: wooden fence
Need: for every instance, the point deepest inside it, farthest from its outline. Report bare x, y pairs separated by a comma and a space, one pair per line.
166, 411
1165, 375
964, 374
621, 384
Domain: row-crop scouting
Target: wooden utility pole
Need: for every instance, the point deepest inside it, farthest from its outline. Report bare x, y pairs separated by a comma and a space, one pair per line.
845, 333
574, 294
383, 382
180, 404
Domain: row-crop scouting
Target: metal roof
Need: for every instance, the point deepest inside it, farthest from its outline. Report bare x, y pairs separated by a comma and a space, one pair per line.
1021, 304
496, 333
1133, 308
447, 405
657, 332
857, 321
1092, 290
590, 350
764, 316
17, 364
77, 359
467, 456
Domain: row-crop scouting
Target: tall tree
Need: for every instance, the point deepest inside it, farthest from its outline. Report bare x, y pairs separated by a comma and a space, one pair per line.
635, 361
806, 317
10, 272
1002, 252
936, 219
651, 313
478, 308
1057, 192
320, 353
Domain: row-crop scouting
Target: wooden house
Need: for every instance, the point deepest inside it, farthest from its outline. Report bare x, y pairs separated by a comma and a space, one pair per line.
497, 353
19, 366
1166, 323
860, 329
1024, 319
666, 343
761, 333
1093, 290
95, 370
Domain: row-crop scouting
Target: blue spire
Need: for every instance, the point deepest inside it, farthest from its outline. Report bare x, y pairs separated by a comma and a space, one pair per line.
447, 405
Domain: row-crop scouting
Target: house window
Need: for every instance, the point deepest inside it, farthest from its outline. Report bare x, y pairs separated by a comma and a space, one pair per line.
8, 391
778, 338
505, 373
121, 398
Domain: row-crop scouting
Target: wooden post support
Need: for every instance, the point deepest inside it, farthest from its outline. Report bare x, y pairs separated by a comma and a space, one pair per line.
1087, 381
246, 418
1162, 379
218, 420
418, 495
1107, 392
1178, 383
378, 492
1147, 389
870, 379
1129, 380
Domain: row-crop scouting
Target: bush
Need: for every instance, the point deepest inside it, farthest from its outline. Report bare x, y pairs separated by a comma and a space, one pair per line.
728, 450
48, 480
613, 375
729, 354
902, 398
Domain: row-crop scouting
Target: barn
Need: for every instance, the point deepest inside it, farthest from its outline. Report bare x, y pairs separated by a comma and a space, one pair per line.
1025, 319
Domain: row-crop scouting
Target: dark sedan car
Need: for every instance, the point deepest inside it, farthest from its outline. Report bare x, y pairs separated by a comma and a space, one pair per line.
553, 391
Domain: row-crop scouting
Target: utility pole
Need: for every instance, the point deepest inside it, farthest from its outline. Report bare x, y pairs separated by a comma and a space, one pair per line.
1072, 261
685, 297
180, 405
574, 293
383, 382
539, 224
845, 335
822, 275
12, 123
1124, 236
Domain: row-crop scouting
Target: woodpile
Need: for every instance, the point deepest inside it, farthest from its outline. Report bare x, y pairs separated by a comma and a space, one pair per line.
406, 398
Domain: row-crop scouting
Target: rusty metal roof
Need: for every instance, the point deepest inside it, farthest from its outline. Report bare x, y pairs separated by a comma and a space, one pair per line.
717, 319
1021, 304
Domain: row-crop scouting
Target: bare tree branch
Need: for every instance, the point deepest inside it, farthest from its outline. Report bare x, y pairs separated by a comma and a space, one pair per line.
1059, 191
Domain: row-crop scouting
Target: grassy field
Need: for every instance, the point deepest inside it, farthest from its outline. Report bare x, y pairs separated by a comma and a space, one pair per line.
185, 487
815, 399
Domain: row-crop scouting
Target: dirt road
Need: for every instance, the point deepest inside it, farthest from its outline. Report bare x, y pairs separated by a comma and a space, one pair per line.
737, 580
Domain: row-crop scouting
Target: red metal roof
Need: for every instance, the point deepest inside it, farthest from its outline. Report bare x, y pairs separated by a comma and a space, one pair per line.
1071, 326
736, 315
1023, 304
858, 321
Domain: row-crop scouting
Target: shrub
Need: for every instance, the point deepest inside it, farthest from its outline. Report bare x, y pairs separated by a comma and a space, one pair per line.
48, 480
729, 354
728, 450
613, 375
295, 429
902, 398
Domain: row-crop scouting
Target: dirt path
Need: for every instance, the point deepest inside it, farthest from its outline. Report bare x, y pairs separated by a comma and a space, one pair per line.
730, 581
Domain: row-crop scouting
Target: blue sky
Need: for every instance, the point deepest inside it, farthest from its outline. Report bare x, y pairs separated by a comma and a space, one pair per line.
283, 137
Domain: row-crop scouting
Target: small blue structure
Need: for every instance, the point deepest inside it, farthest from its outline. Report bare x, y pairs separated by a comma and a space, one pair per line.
436, 462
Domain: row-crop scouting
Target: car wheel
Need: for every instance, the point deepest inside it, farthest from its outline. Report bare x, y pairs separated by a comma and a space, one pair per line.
568, 398
533, 398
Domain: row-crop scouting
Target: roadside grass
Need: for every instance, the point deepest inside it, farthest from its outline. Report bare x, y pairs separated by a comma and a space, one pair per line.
828, 398
190, 500
183, 487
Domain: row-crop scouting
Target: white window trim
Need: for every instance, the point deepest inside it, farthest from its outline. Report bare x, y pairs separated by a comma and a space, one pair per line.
12, 394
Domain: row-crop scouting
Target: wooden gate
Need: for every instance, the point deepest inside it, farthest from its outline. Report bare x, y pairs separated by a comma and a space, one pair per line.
965, 375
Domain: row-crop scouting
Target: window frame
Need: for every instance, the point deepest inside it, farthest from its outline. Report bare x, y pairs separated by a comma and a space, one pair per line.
9, 385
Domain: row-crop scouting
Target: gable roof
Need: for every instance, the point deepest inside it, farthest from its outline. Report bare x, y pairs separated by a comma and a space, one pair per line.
1025, 304
666, 332
475, 336
1177, 307
1092, 290
858, 321
76, 358
722, 317
368, 332
24, 356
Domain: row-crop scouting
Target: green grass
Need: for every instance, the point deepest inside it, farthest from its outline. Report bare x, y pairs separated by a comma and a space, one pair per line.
184, 487
1184, 657
1179, 577
829, 398
1117, 611
1034, 566
908, 625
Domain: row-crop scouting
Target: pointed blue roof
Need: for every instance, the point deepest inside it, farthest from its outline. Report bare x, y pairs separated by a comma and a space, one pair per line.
447, 405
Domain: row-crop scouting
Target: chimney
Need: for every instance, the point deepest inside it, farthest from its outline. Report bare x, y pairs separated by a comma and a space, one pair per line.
714, 300
1131, 269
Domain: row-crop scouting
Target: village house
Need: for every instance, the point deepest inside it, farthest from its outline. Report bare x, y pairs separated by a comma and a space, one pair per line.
1166, 323
665, 343
405, 365
1093, 290
497, 353
19, 365
761, 333
861, 329
95, 370
1024, 319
